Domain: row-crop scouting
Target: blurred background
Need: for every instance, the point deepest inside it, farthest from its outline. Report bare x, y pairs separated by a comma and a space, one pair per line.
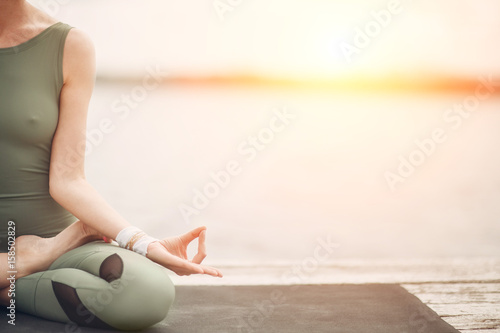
373, 124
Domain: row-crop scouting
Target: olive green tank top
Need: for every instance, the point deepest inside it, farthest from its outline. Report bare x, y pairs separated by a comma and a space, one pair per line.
30, 84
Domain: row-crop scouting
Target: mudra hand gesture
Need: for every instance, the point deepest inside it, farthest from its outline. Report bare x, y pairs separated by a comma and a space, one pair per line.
171, 253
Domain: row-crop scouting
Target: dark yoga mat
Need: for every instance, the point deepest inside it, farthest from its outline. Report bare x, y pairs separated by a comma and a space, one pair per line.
370, 308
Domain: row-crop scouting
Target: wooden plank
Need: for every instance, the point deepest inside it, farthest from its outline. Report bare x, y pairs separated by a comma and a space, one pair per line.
469, 307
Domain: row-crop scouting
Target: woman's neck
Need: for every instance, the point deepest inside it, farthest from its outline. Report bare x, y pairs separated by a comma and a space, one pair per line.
20, 21
13, 13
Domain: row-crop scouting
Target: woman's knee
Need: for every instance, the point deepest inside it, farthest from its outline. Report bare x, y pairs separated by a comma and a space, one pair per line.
138, 292
144, 293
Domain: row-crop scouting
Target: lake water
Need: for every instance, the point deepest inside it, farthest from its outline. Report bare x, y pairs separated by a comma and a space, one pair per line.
316, 171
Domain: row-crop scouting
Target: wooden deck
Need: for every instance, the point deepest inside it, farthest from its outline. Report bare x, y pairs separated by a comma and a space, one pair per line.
464, 292
472, 307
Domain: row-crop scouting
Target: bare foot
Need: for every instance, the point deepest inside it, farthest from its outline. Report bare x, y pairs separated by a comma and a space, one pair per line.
35, 254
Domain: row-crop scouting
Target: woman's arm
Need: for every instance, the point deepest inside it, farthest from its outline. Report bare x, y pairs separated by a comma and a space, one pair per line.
67, 182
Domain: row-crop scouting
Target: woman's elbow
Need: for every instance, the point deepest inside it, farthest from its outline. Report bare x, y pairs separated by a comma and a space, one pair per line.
60, 185
55, 188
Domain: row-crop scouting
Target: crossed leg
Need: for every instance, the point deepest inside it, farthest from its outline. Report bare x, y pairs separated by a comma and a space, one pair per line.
98, 285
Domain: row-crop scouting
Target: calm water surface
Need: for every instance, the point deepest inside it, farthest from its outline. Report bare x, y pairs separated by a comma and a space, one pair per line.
319, 171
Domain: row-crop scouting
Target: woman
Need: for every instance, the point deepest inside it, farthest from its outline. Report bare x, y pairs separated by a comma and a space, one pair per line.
64, 269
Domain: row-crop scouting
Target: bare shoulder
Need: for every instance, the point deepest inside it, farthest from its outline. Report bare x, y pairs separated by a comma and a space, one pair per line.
79, 41
79, 55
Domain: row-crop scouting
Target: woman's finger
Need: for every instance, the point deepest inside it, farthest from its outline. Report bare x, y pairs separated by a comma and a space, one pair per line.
159, 254
184, 267
190, 235
178, 265
211, 271
202, 252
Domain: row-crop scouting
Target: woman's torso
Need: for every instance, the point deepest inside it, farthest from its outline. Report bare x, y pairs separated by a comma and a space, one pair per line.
30, 84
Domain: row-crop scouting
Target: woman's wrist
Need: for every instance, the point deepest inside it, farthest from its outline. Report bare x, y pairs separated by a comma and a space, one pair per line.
134, 239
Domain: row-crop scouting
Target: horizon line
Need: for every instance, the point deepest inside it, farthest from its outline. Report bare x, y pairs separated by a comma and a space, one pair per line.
436, 84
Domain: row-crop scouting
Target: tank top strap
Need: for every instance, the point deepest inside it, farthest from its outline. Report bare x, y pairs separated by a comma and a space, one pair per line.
46, 48
57, 37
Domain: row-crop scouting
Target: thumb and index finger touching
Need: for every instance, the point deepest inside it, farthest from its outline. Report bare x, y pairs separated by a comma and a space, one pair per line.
193, 234
199, 233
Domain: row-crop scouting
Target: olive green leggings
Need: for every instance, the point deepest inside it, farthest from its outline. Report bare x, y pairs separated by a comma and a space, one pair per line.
98, 285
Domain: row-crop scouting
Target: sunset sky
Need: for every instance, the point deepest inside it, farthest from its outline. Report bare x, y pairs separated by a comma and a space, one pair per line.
282, 38
324, 174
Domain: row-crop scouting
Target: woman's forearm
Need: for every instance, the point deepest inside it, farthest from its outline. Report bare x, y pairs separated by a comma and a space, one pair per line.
84, 202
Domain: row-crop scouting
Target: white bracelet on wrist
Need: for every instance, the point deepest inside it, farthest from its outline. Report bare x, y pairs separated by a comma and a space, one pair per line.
141, 246
133, 238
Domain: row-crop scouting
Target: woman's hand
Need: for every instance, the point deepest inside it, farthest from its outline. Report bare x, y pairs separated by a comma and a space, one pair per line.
171, 253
